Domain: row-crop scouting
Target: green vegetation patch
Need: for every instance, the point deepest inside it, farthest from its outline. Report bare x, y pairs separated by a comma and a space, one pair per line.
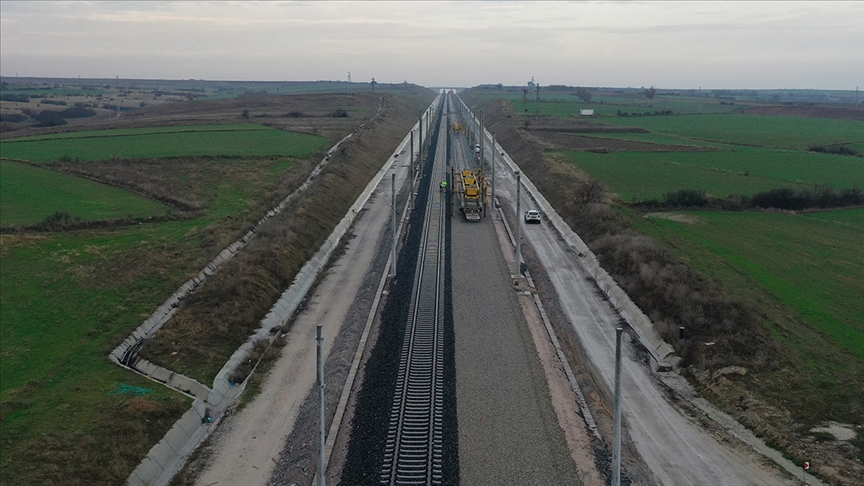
66, 303
811, 263
156, 142
69, 298
30, 194
763, 130
741, 171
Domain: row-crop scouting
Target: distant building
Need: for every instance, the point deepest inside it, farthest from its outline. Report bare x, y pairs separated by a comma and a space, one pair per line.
586, 112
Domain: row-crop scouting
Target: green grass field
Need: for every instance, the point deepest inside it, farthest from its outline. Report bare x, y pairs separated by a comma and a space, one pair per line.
760, 130
739, 171
29, 194
208, 140
811, 263
67, 300
70, 297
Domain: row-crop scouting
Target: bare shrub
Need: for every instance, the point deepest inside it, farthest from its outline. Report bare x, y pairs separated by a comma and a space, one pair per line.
590, 191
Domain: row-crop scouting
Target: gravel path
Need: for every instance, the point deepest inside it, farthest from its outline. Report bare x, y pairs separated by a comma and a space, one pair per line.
508, 431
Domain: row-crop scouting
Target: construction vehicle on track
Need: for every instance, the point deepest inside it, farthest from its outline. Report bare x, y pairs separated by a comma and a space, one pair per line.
470, 187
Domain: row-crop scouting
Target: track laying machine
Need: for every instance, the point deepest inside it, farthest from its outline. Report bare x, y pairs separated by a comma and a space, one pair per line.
470, 187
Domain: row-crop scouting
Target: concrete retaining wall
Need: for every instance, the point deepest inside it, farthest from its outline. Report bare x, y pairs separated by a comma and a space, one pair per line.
161, 462
176, 381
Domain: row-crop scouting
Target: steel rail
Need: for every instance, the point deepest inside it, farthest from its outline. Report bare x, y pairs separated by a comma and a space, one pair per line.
414, 448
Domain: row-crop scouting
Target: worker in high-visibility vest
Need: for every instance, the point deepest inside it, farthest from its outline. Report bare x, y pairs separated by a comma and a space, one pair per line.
443, 185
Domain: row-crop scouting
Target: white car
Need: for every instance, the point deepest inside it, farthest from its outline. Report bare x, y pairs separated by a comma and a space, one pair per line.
532, 216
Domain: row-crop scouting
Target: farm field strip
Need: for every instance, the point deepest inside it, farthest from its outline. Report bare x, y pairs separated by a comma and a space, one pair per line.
658, 138
644, 181
610, 109
120, 132
30, 194
744, 171
262, 141
762, 130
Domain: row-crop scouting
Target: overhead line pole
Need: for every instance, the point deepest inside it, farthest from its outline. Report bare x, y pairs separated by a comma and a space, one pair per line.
411, 166
420, 162
494, 152
482, 136
320, 358
393, 204
518, 223
616, 430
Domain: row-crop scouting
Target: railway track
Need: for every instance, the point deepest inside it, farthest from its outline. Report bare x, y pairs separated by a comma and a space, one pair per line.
414, 447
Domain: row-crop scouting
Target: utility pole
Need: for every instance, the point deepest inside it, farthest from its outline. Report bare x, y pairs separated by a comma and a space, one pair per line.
393, 203
494, 152
411, 166
421, 145
320, 355
616, 431
480, 131
518, 223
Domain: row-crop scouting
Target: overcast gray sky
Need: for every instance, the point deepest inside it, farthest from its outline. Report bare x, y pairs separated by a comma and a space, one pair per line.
664, 44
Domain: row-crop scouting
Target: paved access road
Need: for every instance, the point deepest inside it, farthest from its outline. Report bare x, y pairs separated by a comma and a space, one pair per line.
677, 450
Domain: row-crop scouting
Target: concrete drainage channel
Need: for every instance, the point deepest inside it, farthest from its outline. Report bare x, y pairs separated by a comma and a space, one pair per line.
166, 457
